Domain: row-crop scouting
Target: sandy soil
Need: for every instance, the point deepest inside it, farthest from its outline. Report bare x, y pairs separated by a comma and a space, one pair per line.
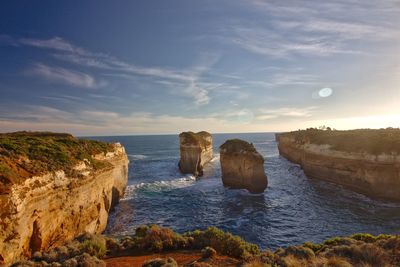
183, 258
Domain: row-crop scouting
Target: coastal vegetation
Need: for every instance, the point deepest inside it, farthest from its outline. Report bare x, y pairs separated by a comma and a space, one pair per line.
373, 141
24, 154
355, 250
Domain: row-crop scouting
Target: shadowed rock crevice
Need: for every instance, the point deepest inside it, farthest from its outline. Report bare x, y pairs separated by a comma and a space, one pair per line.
35, 242
196, 151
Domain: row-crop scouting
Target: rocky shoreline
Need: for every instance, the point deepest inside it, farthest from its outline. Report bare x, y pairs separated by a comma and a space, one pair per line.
366, 161
56, 192
46, 208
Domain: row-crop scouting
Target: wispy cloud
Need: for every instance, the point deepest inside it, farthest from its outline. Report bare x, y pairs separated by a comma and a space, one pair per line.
62, 75
314, 28
278, 45
190, 79
266, 114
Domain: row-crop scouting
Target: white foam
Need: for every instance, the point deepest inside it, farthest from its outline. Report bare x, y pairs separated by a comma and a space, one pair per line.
158, 186
137, 157
215, 158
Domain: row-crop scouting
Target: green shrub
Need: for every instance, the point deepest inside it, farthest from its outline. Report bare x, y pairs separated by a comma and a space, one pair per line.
224, 243
94, 247
155, 238
208, 252
334, 241
35, 153
368, 238
299, 252
141, 231
314, 247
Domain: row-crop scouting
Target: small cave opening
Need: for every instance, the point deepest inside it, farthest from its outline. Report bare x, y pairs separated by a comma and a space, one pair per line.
35, 243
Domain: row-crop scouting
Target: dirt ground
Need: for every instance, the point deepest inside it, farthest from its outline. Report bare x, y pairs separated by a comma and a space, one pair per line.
182, 258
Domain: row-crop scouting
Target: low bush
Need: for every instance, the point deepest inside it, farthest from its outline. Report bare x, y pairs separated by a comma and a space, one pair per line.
361, 254
224, 243
95, 246
368, 238
158, 262
158, 239
208, 252
314, 247
299, 252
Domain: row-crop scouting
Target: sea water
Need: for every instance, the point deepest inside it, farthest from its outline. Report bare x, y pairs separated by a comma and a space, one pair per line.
292, 210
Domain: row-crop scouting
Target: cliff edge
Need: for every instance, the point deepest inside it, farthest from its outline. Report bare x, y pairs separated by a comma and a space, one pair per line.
366, 161
242, 166
54, 187
196, 150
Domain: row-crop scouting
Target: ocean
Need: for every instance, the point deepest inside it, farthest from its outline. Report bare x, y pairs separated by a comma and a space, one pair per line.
293, 209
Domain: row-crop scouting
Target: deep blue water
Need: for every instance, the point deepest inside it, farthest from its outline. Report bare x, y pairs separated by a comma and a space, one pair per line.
293, 209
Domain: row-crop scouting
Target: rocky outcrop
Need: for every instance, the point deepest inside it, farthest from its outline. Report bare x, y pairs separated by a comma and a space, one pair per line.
374, 175
196, 150
47, 210
242, 166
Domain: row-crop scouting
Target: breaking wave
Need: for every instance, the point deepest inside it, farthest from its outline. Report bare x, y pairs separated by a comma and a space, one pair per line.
158, 186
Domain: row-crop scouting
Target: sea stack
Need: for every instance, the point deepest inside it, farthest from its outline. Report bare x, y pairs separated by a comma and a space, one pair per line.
242, 166
196, 150
54, 187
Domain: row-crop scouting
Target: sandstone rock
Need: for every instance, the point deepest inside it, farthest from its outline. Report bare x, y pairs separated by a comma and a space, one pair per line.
48, 210
242, 166
196, 150
377, 176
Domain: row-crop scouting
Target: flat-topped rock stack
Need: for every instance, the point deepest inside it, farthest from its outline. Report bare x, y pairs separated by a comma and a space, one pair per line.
242, 166
196, 150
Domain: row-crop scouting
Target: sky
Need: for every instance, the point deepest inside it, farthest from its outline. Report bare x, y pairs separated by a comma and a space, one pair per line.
157, 67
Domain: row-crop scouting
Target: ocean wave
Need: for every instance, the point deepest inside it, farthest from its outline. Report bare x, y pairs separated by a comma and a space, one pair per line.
158, 186
215, 158
137, 157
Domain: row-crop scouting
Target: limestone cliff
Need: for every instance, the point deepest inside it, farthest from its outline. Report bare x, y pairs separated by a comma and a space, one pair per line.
196, 150
362, 160
46, 209
242, 166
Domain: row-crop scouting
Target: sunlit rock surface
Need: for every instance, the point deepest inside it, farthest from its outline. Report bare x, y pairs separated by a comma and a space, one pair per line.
196, 150
365, 161
43, 211
242, 166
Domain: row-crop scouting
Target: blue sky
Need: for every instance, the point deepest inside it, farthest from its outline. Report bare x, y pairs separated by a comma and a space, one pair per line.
142, 67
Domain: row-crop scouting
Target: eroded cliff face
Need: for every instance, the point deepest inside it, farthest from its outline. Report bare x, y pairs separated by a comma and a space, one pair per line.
242, 166
377, 176
48, 210
196, 150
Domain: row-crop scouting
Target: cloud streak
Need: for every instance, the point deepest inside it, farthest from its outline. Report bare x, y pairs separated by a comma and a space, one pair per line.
62, 75
267, 114
313, 28
189, 80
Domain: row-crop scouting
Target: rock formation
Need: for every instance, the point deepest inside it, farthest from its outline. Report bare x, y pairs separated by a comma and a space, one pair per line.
42, 211
349, 160
196, 150
242, 166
